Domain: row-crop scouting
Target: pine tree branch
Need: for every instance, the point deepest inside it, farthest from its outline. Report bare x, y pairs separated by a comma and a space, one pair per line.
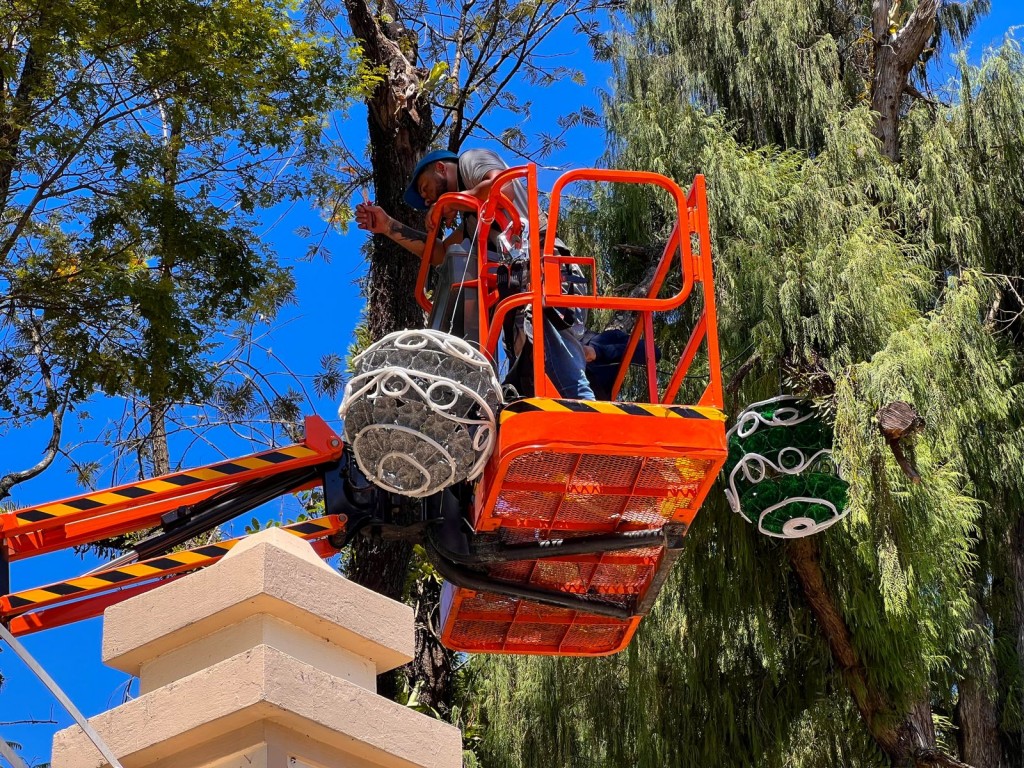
873, 706
912, 91
902, 736
905, 463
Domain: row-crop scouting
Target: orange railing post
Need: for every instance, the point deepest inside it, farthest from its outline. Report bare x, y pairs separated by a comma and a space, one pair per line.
544, 290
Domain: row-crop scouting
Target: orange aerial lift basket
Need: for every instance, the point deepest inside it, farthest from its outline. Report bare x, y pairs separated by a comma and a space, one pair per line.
592, 496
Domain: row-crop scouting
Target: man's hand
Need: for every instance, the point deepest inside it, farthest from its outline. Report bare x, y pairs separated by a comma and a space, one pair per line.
440, 212
372, 218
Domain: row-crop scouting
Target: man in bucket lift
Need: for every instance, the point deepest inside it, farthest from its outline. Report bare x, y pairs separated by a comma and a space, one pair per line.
473, 172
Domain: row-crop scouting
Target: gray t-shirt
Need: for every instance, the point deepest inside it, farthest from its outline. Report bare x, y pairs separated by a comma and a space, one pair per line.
475, 164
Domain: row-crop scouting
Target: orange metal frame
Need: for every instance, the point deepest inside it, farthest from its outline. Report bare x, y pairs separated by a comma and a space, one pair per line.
561, 468
545, 276
570, 468
65, 602
90, 517
699, 442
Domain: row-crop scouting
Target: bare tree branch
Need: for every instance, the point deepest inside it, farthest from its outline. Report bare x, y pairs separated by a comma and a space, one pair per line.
57, 404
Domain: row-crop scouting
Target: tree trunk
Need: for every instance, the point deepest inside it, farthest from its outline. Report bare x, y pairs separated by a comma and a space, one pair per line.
976, 713
896, 53
433, 665
886, 99
14, 115
907, 738
391, 282
159, 404
1015, 748
157, 439
976, 717
400, 128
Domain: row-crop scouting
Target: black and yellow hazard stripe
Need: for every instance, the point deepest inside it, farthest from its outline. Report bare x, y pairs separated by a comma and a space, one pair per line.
158, 485
164, 565
549, 405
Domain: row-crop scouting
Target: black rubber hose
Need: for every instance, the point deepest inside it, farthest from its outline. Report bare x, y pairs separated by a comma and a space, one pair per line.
462, 577
539, 550
208, 514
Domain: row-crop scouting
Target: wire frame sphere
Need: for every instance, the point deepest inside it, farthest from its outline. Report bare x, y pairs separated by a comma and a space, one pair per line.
420, 412
780, 473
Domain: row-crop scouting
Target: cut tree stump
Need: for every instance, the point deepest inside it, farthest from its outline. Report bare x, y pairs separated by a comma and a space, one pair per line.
899, 420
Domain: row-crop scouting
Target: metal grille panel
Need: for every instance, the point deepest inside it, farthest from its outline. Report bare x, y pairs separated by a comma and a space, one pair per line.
541, 467
480, 635
674, 474
528, 505
495, 607
598, 493
621, 579
522, 626
563, 576
591, 635
611, 573
651, 510
537, 634
613, 471
589, 511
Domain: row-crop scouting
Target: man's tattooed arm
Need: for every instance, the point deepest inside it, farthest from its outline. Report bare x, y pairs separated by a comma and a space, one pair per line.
398, 232
413, 240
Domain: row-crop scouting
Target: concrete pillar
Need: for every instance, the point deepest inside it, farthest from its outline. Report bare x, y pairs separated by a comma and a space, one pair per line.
267, 659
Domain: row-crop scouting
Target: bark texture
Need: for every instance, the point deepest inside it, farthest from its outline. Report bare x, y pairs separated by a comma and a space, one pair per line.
976, 713
908, 737
400, 128
896, 51
1016, 749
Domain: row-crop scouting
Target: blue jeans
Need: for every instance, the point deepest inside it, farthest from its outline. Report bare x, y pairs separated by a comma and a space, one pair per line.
565, 363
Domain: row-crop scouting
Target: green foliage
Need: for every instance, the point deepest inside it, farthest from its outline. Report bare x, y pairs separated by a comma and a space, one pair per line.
855, 281
133, 157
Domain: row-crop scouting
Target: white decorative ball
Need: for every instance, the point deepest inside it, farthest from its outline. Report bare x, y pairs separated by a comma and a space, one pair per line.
420, 412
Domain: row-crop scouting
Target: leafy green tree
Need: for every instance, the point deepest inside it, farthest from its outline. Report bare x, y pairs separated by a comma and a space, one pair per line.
857, 272
137, 141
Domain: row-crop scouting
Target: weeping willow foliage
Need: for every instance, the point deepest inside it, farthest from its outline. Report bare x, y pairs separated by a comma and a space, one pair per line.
859, 282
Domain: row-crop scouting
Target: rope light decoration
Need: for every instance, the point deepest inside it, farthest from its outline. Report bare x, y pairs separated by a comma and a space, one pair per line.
420, 412
780, 470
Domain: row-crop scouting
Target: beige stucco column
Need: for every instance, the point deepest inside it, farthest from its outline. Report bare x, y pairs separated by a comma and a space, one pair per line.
267, 659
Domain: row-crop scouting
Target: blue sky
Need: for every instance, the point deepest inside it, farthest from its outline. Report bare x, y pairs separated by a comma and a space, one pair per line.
328, 309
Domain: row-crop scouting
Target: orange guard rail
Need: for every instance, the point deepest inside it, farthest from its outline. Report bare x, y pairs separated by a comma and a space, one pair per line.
566, 468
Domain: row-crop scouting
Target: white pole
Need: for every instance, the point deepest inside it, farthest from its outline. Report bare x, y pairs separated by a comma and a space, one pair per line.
7, 751
55, 689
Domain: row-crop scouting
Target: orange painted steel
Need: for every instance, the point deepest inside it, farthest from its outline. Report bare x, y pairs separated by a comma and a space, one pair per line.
497, 205
575, 468
545, 280
486, 622
80, 598
93, 516
61, 615
562, 468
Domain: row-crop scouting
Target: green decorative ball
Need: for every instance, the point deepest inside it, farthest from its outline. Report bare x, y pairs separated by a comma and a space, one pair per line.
780, 473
